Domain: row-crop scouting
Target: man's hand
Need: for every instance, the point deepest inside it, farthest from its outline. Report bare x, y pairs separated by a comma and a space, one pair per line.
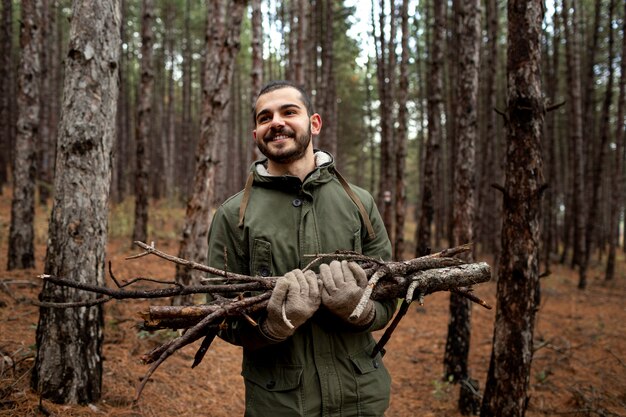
344, 283
299, 293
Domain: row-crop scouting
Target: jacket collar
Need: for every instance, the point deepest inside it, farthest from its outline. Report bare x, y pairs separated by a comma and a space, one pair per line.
323, 161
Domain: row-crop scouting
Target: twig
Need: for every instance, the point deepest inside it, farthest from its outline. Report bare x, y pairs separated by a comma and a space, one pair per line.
87, 303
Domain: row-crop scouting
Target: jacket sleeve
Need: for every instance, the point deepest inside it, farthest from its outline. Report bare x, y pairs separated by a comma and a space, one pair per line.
228, 251
379, 247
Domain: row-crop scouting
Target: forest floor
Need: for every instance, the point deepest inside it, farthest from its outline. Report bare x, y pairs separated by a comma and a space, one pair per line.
579, 365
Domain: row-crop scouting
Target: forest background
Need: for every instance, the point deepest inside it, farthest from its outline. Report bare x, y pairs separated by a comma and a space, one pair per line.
416, 113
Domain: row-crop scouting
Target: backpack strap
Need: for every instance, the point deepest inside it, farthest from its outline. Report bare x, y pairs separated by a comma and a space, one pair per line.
366, 218
246, 199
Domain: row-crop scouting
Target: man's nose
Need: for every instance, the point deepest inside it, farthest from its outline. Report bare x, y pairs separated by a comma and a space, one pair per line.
277, 122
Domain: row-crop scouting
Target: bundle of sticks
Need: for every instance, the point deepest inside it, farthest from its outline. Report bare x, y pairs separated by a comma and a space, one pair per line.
237, 295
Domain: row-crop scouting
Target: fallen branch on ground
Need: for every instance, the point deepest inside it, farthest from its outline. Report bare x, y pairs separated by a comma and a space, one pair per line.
412, 279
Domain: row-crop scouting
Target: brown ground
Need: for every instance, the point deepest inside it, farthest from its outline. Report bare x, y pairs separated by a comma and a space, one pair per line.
579, 366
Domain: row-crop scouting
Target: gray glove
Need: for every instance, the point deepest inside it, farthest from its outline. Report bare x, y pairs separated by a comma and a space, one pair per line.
344, 283
299, 293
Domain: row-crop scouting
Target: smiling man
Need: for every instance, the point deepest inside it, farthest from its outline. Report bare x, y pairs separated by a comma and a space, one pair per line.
303, 356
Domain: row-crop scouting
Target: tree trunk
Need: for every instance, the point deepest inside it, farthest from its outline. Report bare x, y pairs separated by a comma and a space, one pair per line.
21, 252
458, 340
6, 78
120, 172
598, 164
68, 366
256, 70
618, 167
572, 49
170, 129
506, 391
46, 142
144, 121
328, 139
187, 132
221, 50
432, 148
402, 135
489, 208
386, 62
550, 231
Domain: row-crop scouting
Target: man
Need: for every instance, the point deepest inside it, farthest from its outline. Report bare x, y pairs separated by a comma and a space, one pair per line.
305, 357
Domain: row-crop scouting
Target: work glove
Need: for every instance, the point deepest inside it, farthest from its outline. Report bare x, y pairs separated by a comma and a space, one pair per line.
343, 286
299, 293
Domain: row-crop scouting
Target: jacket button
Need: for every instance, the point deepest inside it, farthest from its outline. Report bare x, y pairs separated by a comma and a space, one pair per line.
375, 363
270, 384
264, 271
297, 202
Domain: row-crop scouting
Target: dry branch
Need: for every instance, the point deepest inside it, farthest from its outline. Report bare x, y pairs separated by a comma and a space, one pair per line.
237, 295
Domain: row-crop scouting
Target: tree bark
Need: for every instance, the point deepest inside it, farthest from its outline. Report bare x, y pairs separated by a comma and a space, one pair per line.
68, 366
489, 207
21, 253
402, 135
598, 163
458, 340
221, 50
572, 49
46, 143
6, 78
328, 139
432, 148
385, 71
618, 167
506, 391
143, 123
256, 70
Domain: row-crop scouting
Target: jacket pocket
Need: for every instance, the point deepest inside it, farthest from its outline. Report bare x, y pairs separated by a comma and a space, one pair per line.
274, 391
372, 384
261, 260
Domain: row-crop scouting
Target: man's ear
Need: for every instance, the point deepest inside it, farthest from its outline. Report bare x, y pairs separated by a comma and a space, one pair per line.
316, 124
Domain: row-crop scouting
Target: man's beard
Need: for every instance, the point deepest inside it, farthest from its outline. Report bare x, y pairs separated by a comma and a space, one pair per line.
281, 156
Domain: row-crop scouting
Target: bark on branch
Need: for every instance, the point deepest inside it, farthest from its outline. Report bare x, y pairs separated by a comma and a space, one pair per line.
239, 295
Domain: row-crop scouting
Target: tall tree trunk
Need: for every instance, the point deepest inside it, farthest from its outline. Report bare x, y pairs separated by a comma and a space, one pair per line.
185, 147
302, 36
490, 167
122, 142
432, 148
68, 366
6, 78
618, 166
22, 233
550, 210
46, 142
328, 139
572, 49
506, 391
170, 128
256, 70
598, 164
221, 49
385, 72
402, 135
144, 121
458, 340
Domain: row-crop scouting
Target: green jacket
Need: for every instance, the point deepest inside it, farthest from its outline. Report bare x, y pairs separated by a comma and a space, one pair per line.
325, 368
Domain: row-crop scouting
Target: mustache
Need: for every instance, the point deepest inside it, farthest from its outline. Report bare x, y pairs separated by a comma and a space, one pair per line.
282, 131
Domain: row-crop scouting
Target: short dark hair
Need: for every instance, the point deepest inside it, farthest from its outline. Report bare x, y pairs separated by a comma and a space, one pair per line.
277, 85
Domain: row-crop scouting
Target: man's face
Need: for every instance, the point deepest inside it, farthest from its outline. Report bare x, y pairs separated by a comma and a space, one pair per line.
283, 127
